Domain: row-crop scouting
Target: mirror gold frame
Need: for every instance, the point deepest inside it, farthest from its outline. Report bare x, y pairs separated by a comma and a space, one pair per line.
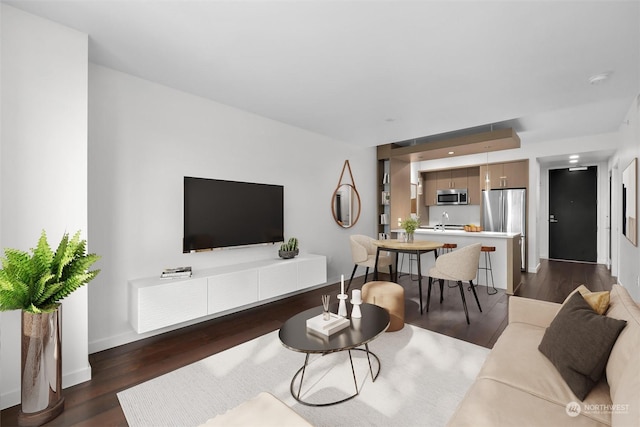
630, 203
345, 201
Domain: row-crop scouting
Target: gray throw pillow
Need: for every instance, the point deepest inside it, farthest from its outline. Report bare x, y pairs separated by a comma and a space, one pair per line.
578, 343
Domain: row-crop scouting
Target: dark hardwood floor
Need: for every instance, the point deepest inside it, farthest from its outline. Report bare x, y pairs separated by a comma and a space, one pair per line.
94, 403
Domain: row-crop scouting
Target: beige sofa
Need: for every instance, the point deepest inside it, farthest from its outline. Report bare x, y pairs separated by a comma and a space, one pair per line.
519, 386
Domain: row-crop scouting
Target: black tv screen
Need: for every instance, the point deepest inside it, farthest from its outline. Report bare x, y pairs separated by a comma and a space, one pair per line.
219, 214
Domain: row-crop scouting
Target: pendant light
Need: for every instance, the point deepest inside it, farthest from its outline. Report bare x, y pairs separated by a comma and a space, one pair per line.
487, 174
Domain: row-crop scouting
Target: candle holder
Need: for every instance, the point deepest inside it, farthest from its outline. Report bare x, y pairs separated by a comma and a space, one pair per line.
356, 300
342, 307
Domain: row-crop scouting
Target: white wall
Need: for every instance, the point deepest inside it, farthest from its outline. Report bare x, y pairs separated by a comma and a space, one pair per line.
144, 137
628, 265
43, 169
538, 183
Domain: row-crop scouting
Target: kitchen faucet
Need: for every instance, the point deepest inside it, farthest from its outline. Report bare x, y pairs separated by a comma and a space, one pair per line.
445, 215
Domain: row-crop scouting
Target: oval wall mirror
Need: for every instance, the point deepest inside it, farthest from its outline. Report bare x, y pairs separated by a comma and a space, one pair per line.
345, 201
345, 205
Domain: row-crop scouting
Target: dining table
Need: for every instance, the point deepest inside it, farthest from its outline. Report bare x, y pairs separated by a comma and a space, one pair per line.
417, 247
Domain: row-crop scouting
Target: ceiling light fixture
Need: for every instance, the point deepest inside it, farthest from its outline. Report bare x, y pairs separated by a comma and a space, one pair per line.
574, 156
450, 152
573, 161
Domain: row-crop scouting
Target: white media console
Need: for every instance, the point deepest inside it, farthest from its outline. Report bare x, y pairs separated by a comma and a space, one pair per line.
155, 303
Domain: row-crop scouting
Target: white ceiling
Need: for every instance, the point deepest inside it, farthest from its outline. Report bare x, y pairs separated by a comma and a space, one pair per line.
374, 72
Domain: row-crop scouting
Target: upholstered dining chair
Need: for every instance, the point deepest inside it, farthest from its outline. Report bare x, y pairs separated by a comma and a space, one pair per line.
363, 252
459, 266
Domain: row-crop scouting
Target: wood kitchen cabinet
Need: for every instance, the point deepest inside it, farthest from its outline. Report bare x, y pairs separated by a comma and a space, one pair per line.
495, 175
430, 188
516, 174
507, 175
468, 178
474, 193
451, 178
503, 175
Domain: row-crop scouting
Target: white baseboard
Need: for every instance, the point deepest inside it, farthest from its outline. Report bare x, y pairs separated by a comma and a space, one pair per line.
114, 341
535, 269
9, 399
77, 377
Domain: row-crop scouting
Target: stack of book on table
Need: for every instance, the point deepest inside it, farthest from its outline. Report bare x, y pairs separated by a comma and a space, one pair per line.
327, 327
175, 273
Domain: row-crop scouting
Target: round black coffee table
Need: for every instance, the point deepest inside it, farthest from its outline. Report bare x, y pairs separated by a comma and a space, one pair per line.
295, 336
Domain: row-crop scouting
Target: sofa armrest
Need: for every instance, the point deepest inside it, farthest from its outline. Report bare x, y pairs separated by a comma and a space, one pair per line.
531, 311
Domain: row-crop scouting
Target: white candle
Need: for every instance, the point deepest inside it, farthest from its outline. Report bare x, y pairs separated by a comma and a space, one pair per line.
342, 284
356, 298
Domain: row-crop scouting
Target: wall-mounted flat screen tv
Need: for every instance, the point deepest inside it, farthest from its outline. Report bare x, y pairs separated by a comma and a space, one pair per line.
220, 214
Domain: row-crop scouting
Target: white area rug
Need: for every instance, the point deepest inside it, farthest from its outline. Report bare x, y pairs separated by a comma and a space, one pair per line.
424, 375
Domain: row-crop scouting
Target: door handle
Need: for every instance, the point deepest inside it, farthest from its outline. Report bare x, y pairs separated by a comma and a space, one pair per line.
553, 220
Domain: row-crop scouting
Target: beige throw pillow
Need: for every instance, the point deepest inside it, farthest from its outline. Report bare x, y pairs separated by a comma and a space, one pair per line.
599, 301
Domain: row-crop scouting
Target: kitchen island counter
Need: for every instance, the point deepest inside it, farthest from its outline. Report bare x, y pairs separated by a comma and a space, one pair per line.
453, 232
505, 261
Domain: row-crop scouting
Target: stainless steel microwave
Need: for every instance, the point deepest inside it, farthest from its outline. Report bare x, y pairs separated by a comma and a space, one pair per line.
453, 196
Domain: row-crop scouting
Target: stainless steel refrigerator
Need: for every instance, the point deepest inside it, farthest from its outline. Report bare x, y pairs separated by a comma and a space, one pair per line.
506, 211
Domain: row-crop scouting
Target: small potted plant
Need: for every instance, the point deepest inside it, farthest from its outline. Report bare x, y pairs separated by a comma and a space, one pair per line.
35, 283
410, 225
290, 249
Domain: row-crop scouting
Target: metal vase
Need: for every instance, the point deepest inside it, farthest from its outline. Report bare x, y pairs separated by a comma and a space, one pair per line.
42, 398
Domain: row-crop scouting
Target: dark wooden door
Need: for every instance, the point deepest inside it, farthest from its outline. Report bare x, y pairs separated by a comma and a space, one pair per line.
573, 214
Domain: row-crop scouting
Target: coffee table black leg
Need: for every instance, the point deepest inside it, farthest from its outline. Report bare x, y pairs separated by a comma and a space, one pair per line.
353, 371
304, 368
366, 346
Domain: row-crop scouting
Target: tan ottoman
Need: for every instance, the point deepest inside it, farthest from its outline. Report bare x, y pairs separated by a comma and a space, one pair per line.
389, 296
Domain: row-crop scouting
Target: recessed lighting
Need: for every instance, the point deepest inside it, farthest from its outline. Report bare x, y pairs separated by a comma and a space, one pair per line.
450, 152
574, 156
599, 78
573, 161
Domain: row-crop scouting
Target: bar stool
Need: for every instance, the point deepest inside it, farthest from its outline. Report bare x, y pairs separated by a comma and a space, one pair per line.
486, 250
447, 247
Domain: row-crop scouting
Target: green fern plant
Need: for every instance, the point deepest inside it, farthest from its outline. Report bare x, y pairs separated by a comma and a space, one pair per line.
36, 282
